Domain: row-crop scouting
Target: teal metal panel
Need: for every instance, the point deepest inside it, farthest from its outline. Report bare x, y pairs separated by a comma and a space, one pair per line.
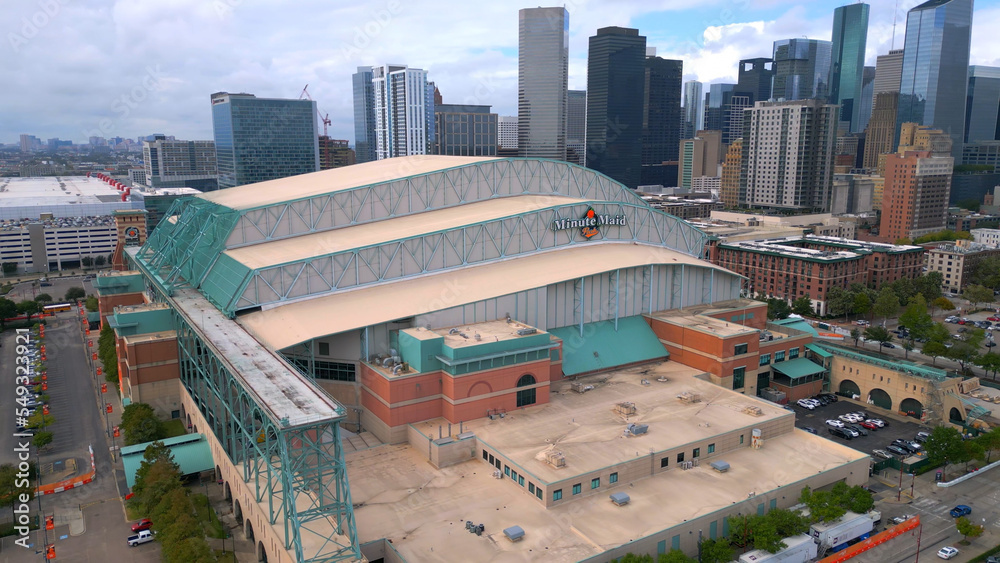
601, 347
224, 282
799, 367
819, 351
191, 453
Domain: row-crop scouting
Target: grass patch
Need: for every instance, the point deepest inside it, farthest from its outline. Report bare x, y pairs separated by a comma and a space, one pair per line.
227, 557
131, 513
982, 557
173, 428
207, 516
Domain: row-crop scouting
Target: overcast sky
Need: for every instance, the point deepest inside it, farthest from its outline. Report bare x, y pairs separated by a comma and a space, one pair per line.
75, 68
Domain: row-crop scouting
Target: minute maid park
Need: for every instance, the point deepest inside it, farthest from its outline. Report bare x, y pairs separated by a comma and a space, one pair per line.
377, 354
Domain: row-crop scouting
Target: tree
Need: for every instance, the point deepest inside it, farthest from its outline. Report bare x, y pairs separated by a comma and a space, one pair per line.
39, 420
935, 347
74, 293
977, 294
945, 446
197, 550
716, 551
140, 424
13, 485
91, 304
100, 261
903, 241
887, 304
862, 304
967, 528
777, 308
929, 285
839, 302
674, 556
916, 318
788, 523
963, 353
943, 303
990, 362
990, 442
29, 308
908, 347
856, 335
86, 261
802, 306
9, 268
878, 334
155, 478
8, 309
987, 272
43, 298
42, 439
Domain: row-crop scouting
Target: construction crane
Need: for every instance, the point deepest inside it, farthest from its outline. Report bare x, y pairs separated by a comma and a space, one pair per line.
324, 118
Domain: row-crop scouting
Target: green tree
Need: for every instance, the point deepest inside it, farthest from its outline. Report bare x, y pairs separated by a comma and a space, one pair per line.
929, 285
945, 446
987, 272
967, 528
887, 304
916, 318
43, 298
990, 442
856, 335
839, 302
977, 294
8, 309
29, 308
824, 506
74, 293
9, 268
42, 439
802, 306
196, 550
963, 353
91, 304
878, 334
777, 308
935, 347
904, 289
787, 522
716, 551
675, 556
990, 362
943, 303
39, 420
862, 304
100, 261
13, 485
903, 241
155, 478
140, 424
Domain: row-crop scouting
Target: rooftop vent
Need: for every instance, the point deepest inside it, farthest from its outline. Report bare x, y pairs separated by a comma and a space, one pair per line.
753, 410
620, 499
626, 408
720, 466
581, 387
636, 429
555, 459
526, 331
514, 533
688, 397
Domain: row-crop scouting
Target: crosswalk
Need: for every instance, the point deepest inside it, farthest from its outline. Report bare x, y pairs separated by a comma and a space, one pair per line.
931, 506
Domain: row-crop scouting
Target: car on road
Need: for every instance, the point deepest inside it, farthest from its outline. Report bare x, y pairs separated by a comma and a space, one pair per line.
141, 525
834, 423
897, 450
902, 518
993, 559
869, 425
888, 345
947, 552
806, 404
961, 510
862, 322
882, 454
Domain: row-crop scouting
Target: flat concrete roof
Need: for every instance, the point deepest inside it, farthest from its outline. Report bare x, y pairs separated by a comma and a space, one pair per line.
357, 236
141, 308
489, 331
151, 337
46, 191
709, 325
287, 324
399, 496
328, 181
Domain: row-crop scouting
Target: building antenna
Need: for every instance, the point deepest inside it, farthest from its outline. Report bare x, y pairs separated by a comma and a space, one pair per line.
895, 11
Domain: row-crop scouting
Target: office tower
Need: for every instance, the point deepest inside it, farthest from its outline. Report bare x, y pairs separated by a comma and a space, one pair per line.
507, 130
404, 111
935, 67
364, 115
718, 98
888, 72
616, 76
259, 139
867, 98
694, 108
729, 184
335, 153
917, 184
754, 79
881, 133
787, 160
180, 164
465, 130
31, 143
542, 79
576, 127
661, 109
982, 122
850, 33
699, 157
732, 127
801, 69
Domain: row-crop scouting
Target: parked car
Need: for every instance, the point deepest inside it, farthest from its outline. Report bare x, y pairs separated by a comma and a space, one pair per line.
857, 429
897, 450
900, 443
806, 404
877, 422
922, 437
947, 552
842, 433
823, 401
850, 417
810, 429
882, 454
888, 345
994, 318
834, 423
829, 396
951, 320
902, 518
869, 425
141, 525
961, 510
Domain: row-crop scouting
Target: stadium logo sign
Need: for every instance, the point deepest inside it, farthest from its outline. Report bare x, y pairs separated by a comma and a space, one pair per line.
589, 224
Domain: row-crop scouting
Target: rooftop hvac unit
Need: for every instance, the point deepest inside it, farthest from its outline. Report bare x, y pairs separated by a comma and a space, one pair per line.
720, 466
526, 331
696, 462
626, 408
636, 429
514, 533
688, 397
753, 410
555, 459
581, 387
620, 499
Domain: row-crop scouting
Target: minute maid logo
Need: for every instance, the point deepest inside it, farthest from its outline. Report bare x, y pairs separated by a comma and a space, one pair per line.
590, 224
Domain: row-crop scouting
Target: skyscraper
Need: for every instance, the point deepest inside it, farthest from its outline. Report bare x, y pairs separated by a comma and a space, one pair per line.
694, 108
850, 35
867, 98
888, 72
404, 111
718, 98
465, 130
180, 164
259, 139
982, 121
661, 110
917, 184
729, 184
754, 80
576, 126
364, 115
542, 80
801, 69
699, 157
507, 130
881, 133
616, 76
787, 160
935, 67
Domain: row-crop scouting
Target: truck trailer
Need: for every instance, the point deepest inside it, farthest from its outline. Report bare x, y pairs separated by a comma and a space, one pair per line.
846, 528
799, 549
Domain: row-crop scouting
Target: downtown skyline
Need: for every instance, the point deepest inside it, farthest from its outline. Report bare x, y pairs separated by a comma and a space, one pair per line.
141, 76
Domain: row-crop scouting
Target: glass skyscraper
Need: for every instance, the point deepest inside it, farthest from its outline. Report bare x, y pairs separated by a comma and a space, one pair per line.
694, 108
260, 139
542, 81
850, 33
576, 127
755, 76
935, 68
801, 69
661, 111
616, 77
404, 111
364, 115
982, 118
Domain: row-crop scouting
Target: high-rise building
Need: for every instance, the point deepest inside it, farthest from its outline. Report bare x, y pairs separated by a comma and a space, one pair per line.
935, 67
465, 130
30, 143
888, 72
917, 183
364, 115
729, 185
699, 157
507, 130
259, 139
787, 158
982, 122
732, 126
850, 35
335, 153
801, 69
404, 111
694, 108
576, 127
542, 80
881, 133
754, 79
180, 164
616, 76
661, 110
717, 100
867, 98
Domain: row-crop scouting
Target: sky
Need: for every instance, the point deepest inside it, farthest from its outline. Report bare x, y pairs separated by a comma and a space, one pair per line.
79, 68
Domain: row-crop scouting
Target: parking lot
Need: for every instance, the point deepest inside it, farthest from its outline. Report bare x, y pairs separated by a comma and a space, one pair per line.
877, 439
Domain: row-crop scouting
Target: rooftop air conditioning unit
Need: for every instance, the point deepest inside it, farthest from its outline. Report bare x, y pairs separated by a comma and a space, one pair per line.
555, 459
636, 429
620, 499
626, 408
514, 533
526, 331
720, 466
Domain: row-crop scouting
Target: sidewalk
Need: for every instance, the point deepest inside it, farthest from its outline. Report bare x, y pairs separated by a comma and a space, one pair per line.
237, 542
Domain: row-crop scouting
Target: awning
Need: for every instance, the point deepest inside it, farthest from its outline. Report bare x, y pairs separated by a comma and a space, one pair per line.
602, 347
799, 367
191, 453
819, 351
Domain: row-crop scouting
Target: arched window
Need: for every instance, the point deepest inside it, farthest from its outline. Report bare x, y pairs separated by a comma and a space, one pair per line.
526, 397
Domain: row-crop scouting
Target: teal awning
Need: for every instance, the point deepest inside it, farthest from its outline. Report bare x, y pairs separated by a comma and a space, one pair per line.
799, 367
602, 347
190, 451
797, 324
819, 351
